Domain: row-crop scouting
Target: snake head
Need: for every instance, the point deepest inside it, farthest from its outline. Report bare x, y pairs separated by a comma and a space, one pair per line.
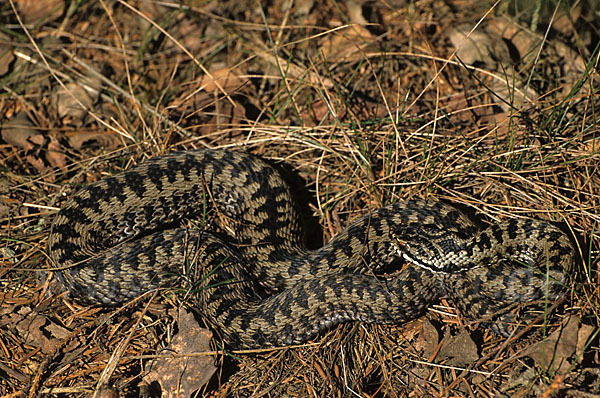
440, 255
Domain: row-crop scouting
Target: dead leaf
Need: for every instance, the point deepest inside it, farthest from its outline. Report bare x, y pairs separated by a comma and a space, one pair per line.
106, 391
303, 7
320, 112
152, 10
476, 46
21, 133
355, 12
554, 353
72, 101
190, 35
527, 44
564, 21
180, 376
33, 11
585, 331
519, 378
488, 47
104, 139
226, 78
347, 45
223, 117
459, 350
36, 329
506, 95
470, 48
6, 54
4, 212
18, 131
55, 156
75, 100
36, 158
428, 340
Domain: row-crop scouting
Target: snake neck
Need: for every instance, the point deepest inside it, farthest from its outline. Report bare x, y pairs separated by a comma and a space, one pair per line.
380, 242
512, 243
364, 247
449, 254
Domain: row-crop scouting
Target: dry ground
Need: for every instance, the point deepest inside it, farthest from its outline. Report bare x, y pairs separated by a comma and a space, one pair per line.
493, 107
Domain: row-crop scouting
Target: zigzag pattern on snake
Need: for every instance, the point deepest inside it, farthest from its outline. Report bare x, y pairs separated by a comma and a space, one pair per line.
257, 284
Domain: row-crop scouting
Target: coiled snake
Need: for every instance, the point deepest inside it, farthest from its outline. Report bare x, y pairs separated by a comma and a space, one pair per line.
256, 282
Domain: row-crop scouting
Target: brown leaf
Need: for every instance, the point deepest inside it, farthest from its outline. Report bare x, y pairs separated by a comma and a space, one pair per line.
459, 350
106, 391
564, 21
18, 131
320, 113
527, 44
72, 101
225, 116
487, 46
190, 35
103, 139
355, 12
479, 46
75, 100
428, 339
6, 55
347, 45
180, 376
226, 78
36, 330
583, 335
303, 7
505, 93
554, 353
55, 156
32, 11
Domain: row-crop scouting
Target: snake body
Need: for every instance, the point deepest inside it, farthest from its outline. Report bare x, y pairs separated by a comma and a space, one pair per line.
257, 284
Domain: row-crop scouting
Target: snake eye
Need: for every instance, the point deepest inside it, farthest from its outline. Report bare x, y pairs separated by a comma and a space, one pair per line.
395, 239
397, 244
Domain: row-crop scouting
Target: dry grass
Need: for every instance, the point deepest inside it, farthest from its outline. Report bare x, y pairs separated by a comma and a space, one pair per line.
364, 115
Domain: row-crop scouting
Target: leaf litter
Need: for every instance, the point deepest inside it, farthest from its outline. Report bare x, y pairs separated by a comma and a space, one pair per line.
367, 103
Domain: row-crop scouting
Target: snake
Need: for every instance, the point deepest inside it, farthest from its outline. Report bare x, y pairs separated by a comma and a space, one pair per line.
223, 225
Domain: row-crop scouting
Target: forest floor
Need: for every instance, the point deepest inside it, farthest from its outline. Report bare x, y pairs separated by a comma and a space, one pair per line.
492, 107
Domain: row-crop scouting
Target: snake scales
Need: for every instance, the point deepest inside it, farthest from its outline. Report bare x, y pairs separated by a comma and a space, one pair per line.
256, 282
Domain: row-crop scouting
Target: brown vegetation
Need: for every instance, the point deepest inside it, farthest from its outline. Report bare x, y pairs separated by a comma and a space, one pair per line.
493, 108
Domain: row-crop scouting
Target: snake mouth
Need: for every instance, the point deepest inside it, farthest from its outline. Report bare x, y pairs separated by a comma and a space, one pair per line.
413, 261
402, 248
446, 266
